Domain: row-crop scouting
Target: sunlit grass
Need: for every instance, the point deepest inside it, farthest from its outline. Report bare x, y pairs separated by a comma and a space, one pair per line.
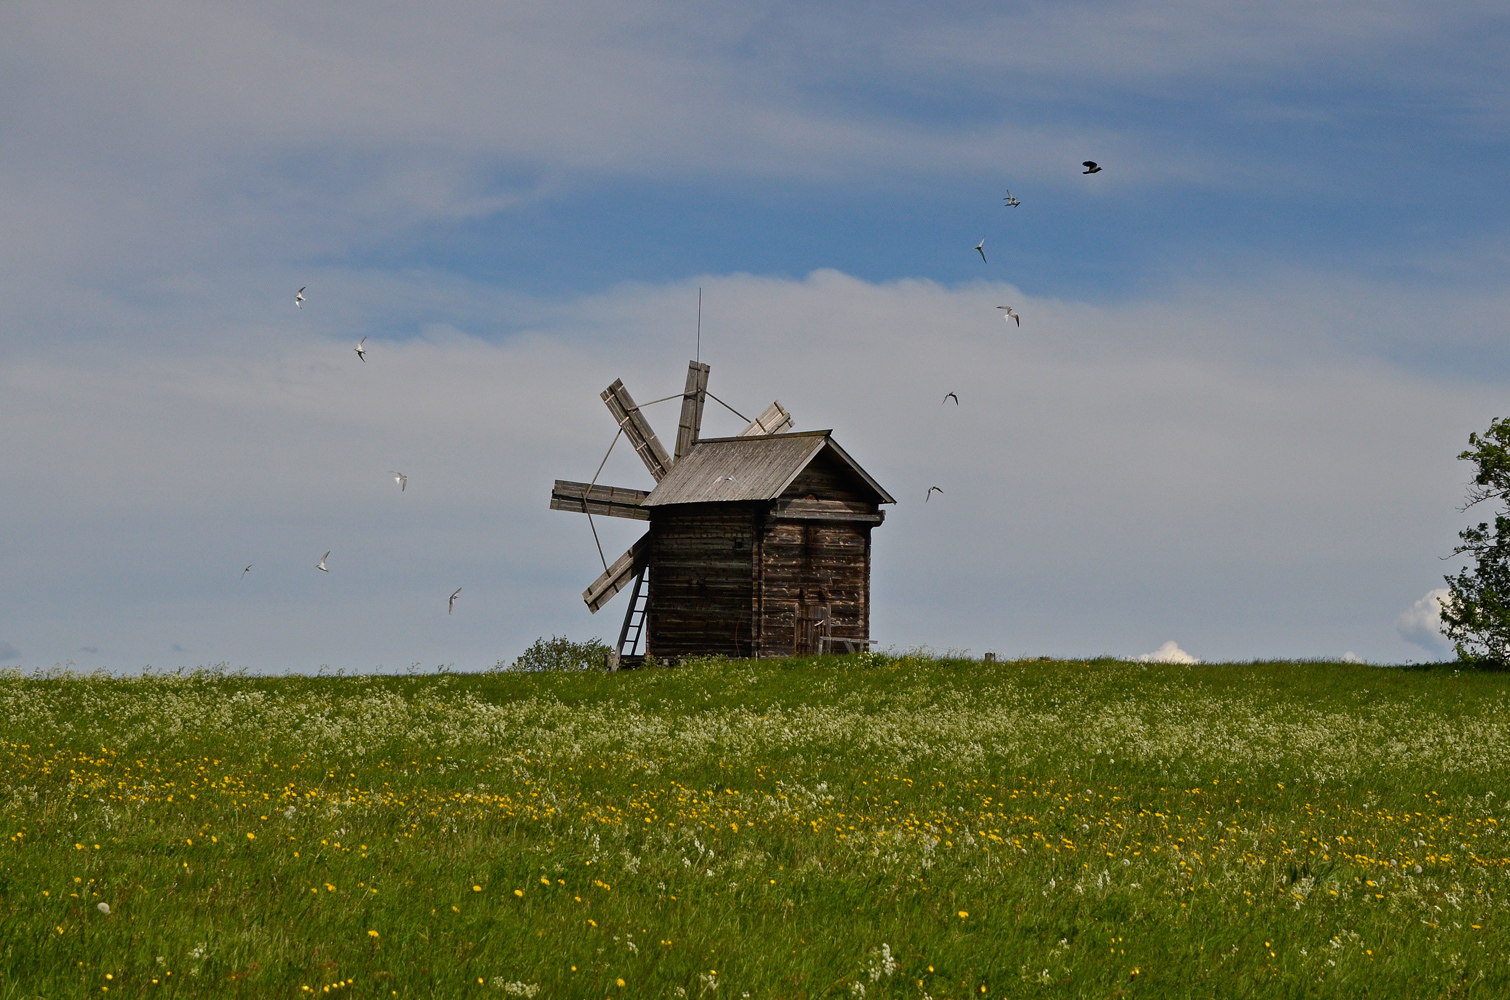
870, 826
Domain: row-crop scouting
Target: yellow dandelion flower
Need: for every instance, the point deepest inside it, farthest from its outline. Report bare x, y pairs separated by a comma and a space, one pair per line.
621, 982
963, 914
476, 888
372, 933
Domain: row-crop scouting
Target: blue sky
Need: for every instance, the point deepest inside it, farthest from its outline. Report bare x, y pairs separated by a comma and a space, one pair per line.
1251, 347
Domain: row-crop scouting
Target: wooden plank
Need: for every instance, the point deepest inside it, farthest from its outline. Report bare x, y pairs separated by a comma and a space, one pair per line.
617, 576
693, 398
610, 501
774, 420
829, 510
637, 429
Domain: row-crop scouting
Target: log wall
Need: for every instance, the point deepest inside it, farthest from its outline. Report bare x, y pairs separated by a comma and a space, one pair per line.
701, 580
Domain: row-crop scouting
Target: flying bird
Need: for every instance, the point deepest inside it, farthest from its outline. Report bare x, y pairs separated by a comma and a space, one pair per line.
1011, 315
1010, 201
931, 491
981, 249
299, 297
361, 353
1090, 167
321, 566
946, 399
401, 479
246, 571
451, 604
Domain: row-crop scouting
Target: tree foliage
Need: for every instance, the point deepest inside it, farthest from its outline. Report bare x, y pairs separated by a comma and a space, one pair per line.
560, 653
1476, 612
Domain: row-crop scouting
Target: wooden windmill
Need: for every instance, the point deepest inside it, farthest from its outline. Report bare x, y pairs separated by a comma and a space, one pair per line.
759, 544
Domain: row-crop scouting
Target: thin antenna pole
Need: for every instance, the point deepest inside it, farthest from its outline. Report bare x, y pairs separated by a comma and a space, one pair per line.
699, 356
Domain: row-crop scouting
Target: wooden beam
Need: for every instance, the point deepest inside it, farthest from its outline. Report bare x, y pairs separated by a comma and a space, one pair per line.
828, 510
693, 398
610, 501
637, 429
617, 576
774, 420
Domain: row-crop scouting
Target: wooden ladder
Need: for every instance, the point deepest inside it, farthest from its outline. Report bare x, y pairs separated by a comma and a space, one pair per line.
634, 616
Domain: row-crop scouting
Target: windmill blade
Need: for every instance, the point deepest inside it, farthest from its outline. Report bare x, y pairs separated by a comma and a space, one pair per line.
637, 429
775, 420
589, 498
693, 398
617, 576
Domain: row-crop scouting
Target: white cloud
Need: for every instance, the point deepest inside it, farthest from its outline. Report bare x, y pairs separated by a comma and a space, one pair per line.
8, 652
145, 475
1170, 652
1421, 623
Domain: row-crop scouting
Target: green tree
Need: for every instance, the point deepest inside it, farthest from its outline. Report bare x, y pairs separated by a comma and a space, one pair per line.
1476, 613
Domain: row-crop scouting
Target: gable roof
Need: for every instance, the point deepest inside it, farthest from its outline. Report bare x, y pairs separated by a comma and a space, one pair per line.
757, 467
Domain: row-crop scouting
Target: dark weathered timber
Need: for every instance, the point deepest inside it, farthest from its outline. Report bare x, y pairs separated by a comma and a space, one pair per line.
637, 429
700, 588
830, 510
693, 398
609, 501
617, 576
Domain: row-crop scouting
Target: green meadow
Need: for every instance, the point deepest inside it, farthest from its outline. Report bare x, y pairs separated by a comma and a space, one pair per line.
868, 826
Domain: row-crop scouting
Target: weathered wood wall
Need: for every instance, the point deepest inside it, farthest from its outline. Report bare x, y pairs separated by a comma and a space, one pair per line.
701, 580
750, 579
804, 566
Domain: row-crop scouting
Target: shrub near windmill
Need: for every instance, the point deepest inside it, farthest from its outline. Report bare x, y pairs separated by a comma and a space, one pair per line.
759, 544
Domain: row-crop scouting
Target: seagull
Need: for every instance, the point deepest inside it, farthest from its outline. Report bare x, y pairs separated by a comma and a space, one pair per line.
299, 297
321, 567
451, 604
981, 248
246, 571
1010, 201
401, 479
1011, 315
945, 400
1090, 167
360, 352
930, 493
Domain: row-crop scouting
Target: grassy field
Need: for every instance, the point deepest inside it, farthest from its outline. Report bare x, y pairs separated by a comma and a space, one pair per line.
869, 826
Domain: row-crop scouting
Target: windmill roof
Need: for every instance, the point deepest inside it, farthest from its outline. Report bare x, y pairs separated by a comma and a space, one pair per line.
756, 467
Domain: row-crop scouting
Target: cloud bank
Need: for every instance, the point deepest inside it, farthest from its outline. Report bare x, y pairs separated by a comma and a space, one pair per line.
1421, 623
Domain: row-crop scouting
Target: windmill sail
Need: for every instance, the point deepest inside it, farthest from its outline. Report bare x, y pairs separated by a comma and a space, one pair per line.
693, 398
591, 498
775, 420
637, 429
618, 575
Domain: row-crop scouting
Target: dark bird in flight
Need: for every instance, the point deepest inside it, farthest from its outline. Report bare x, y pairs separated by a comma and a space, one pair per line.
246, 571
1010, 201
1011, 315
361, 352
946, 399
299, 297
451, 604
931, 491
981, 249
321, 566
1090, 167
